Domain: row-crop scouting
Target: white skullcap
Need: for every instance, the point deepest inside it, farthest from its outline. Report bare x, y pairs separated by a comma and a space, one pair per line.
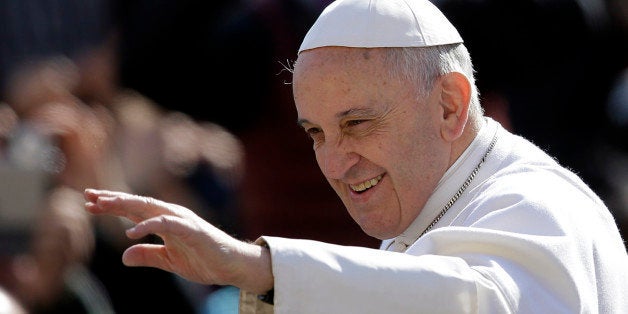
380, 23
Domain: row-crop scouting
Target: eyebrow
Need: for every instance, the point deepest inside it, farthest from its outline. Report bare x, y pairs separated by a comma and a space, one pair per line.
356, 112
301, 122
340, 115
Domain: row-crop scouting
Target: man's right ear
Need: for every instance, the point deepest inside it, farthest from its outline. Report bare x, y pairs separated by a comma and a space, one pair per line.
455, 97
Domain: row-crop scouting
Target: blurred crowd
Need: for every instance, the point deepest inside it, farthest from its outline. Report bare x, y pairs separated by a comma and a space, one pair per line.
186, 101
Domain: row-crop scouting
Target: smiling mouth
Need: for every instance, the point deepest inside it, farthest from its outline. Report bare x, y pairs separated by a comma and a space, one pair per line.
360, 188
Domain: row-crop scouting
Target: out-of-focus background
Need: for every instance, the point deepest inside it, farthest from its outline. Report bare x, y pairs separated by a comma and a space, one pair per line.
189, 101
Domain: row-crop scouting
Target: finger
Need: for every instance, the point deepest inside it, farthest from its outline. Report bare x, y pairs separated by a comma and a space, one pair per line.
93, 194
133, 207
162, 225
144, 203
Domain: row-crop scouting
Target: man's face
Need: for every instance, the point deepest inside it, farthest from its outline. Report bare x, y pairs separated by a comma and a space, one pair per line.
379, 147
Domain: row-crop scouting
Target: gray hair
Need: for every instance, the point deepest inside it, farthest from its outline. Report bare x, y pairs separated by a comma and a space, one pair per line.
424, 65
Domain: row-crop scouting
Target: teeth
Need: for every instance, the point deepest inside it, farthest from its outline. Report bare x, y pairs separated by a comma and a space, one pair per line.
366, 184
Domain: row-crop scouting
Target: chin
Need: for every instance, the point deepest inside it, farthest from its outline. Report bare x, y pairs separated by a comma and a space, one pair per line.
374, 224
378, 231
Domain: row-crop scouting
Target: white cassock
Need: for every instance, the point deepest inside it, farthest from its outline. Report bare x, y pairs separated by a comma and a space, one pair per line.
525, 236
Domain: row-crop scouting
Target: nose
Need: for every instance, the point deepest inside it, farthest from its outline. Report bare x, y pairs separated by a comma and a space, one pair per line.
335, 160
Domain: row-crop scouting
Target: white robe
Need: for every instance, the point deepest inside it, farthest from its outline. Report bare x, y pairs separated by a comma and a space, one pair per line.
526, 236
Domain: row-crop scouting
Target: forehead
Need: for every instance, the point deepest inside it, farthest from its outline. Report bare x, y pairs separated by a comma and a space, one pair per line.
333, 62
340, 79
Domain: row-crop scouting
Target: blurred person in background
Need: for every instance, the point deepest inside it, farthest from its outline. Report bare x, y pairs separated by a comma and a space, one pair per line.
52, 276
130, 135
64, 111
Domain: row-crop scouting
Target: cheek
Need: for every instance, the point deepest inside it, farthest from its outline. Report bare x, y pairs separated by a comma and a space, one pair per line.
414, 161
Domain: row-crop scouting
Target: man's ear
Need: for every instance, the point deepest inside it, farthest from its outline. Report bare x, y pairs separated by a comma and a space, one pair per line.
454, 101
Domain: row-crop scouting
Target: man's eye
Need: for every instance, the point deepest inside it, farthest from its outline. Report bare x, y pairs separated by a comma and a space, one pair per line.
317, 136
355, 122
313, 131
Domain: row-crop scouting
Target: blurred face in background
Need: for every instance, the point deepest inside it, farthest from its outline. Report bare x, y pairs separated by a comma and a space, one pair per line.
377, 144
62, 237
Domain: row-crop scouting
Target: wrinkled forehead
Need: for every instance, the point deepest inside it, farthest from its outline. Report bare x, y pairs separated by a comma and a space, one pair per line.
358, 61
332, 80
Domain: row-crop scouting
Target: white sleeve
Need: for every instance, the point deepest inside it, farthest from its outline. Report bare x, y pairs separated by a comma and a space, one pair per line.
316, 277
449, 270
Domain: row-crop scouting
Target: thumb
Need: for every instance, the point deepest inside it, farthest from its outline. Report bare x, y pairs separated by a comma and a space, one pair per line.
147, 255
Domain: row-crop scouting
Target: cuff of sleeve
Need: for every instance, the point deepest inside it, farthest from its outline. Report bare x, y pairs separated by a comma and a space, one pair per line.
268, 297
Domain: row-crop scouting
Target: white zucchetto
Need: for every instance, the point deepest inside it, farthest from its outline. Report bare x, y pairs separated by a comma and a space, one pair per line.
380, 23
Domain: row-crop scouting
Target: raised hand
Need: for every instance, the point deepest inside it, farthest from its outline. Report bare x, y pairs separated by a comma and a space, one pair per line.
192, 247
